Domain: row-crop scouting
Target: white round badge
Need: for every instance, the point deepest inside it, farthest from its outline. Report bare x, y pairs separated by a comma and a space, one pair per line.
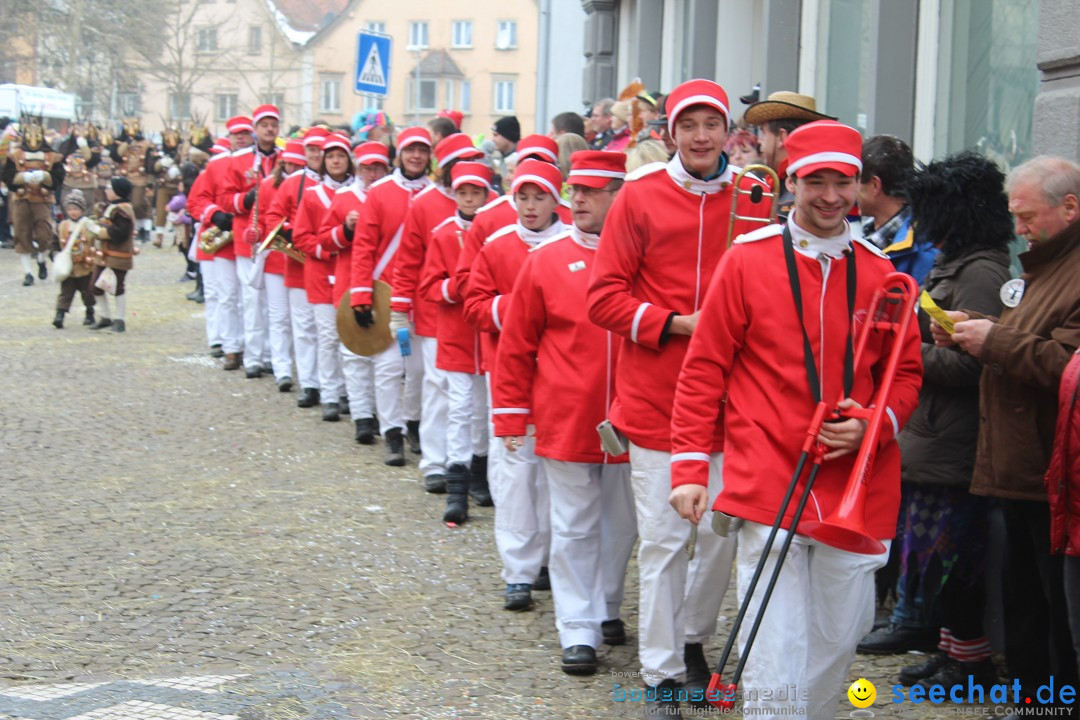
1012, 292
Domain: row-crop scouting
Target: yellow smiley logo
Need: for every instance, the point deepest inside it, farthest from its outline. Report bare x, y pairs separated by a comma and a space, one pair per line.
862, 693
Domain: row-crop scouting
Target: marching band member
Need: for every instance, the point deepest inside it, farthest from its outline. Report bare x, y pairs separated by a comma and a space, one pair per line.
551, 364
238, 195
522, 524
197, 197
372, 164
746, 353
432, 206
662, 241
283, 208
458, 353
375, 244
337, 172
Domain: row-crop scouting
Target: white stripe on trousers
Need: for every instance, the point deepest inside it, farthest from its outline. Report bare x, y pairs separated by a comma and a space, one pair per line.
253, 302
466, 418
821, 607
305, 338
359, 374
230, 320
434, 407
208, 271
331, 379
679, 601
280, 330
593, 530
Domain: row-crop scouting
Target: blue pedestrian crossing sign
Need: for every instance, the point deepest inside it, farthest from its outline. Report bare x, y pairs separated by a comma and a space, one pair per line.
372, 63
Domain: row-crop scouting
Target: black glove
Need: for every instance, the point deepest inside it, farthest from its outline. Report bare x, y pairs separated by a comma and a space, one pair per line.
222, 220
249, 199
286, 234
348, 231
364, 318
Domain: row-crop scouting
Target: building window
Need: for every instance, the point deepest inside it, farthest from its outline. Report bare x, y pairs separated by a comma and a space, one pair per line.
330, 93
375, 26
130, 102
372, 102
206, 39
254, 40
225, 104
462, 34
277, 99
179, 106
448, 94
505, 92
426, 97
506, 38
418, 35
466, 97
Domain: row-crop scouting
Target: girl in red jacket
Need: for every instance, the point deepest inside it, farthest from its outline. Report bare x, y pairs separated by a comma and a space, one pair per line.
522, 525
458, 344
337, 172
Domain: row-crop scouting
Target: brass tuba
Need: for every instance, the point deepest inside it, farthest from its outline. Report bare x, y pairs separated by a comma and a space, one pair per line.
213, 239
276, 241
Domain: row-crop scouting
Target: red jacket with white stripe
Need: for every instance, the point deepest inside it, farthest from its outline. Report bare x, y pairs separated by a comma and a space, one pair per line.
491, 281
497, 214
202, 202
284, 207
275, 261
378, 233
246, 168
319, 267
459, 342
336, 236
429, 208
663, 237
553, 363
748, 350
1063, 475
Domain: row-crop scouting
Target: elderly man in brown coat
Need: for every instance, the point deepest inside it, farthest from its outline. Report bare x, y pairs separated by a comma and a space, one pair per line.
1024, 353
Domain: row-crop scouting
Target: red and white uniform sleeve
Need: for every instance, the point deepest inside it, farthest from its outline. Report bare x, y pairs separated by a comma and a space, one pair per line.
515, 367
484, 305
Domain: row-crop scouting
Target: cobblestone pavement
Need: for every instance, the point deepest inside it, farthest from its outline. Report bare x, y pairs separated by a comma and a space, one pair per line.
180, 542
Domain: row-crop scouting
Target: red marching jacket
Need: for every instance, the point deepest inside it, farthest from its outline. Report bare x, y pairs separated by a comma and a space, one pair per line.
202, 202
284, 206
663, 238
1063, 475
553, 363
459, 342
319, 267
335, 235
491, 281
378, 234
747, 353
246, 169
275, 262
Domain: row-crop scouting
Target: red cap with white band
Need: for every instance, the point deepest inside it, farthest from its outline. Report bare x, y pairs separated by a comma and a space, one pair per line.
540, 173
695, 92
470, 173
540, 147
265, 111
413, 135
824, 144
315, 136
336, 141
294, 153
239, 124
596, 168
371, 152
456, 147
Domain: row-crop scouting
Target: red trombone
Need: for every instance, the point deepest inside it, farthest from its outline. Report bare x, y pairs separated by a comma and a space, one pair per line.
891, 311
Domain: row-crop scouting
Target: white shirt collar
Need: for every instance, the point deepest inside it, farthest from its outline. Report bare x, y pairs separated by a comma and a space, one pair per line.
333, 184
688, 182
814, 247
584, 239
411, 185
534, 238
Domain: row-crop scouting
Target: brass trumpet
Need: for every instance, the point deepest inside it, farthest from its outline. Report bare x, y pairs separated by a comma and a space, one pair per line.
274, 241
757, 194
213, 239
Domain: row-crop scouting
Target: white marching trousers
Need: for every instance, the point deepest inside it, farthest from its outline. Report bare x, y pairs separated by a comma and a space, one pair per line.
679, 601
522, 513
466, 418
389, 368
207, 270
304, 337
593, 530
821, 607
435, 401
412, 394
253, 302
359, 374
280, 329
331, 379
230, 318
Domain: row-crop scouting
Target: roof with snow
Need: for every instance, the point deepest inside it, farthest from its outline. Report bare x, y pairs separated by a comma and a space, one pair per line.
301, 20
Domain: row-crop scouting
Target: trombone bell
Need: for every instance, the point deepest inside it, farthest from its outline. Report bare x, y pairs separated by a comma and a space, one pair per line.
757, 193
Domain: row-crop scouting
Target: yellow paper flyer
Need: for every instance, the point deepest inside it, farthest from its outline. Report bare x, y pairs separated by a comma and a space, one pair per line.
927, 303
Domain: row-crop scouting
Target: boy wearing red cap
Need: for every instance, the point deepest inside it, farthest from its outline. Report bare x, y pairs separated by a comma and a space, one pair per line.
662, 241
813, 278
522, 524
560, 367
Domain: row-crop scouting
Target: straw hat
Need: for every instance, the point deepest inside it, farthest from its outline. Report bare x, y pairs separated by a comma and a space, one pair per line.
784, 105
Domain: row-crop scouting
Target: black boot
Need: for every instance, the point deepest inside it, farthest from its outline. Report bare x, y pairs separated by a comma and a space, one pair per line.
457, 499
698, 673
478, 482
42, 271
58, 321
412, 434
309, 397
365, 431
89, 319
28, 280
395, 447
435, 483
343, 405
101, 324
331, 412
